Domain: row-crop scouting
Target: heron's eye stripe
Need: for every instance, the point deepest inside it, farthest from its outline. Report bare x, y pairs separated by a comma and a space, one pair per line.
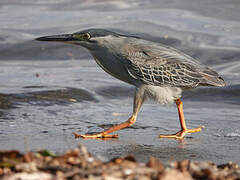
77, 36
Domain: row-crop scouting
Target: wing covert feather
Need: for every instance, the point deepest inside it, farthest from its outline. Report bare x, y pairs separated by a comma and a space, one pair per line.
161, 66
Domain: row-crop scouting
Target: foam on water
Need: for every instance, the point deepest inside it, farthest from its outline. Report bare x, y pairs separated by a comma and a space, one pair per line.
236, 133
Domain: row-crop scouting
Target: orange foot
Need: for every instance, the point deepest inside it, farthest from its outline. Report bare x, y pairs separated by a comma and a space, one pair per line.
95, 136
181, 134
106, 133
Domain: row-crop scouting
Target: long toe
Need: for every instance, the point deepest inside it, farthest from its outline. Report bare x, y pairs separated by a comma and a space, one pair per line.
179, 135
195, 130
95, 136
182, 133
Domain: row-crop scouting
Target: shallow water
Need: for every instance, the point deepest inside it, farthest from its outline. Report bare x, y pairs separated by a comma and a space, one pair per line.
50, 90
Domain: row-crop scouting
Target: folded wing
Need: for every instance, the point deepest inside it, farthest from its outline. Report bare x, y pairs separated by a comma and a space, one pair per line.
161, 65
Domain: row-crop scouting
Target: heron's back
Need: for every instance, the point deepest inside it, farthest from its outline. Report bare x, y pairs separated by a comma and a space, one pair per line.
160, 65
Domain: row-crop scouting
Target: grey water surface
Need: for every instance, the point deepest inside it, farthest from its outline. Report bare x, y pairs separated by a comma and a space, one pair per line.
50, 90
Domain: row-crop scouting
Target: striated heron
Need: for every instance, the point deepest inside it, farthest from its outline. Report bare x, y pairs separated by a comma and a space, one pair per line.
158, 72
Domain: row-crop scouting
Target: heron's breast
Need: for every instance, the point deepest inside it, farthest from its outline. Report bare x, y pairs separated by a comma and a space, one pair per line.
114, 68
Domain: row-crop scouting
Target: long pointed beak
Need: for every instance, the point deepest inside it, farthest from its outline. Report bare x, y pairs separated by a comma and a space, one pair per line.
59, 38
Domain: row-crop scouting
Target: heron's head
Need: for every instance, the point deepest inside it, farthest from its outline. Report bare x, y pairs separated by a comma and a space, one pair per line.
90, 38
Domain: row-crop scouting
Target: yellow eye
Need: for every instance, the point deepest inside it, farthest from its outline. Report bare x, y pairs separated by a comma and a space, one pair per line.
86, 36
81, 37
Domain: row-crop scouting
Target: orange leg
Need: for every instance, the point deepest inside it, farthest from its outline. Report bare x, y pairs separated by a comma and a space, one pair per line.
138, 101
180, 134
105, 134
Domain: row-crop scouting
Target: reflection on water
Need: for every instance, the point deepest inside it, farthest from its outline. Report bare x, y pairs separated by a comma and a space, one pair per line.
45, 98
48, 91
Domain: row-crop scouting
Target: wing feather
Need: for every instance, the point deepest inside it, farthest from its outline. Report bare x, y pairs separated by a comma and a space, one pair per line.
161, 65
